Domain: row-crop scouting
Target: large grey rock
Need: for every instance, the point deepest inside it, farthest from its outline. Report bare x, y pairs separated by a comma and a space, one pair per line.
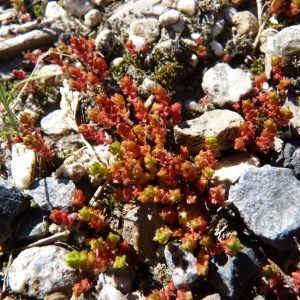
220, 123
39, 271
49, 193
267, 199
181, 264
12, 205
225, 86
139, 223
231, 274
287, 43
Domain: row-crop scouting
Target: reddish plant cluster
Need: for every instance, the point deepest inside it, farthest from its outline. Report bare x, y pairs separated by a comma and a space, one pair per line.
32, 138
276, 283
93, 68
170, 292
289, 8
264, 114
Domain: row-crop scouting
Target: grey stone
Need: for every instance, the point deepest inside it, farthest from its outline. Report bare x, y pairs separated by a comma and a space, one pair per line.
54, 10
92, 18
220, 123
170, 17
148, 29
181, 264
29, 40
106, 42
246, 23
12, 205
132, 10
78, 7
226, 86
229, 12
231, 274
295, 162
267, 199
287, 43
34, 227
139, 223
49, 193
39, 271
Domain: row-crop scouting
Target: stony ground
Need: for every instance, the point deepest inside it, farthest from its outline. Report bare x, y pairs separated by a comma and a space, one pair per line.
164, 130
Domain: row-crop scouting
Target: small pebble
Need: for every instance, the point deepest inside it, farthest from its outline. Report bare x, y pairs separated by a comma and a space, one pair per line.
246, 23
187, 7
23, 164
92, 18
78, 7
216, 48
170, 17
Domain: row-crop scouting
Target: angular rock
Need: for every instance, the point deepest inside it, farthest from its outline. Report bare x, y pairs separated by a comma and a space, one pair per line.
55, 122
220, 123
225, 86
39, 271
12, 205
181, 265
49, 193
267, 199
231, 168
246, 23
231, 274
139, 223
287, 43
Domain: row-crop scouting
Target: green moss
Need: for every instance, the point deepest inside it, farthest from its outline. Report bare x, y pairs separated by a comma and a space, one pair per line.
169, 73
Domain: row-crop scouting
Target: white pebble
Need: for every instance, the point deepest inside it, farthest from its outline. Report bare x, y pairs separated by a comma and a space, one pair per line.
188, 7
23, 163
137, 41
170, 17
55, 123
193, 60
